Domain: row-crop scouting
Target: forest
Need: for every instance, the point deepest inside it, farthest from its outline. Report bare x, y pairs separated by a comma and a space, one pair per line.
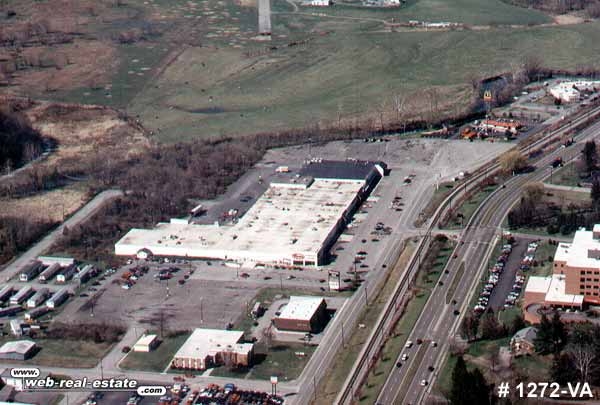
19, 143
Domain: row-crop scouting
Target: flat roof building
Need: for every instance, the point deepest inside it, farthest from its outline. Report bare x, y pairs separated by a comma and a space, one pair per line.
294, 223
17, 350
303, 314
575, 281
146, 343
207, 348
570, 91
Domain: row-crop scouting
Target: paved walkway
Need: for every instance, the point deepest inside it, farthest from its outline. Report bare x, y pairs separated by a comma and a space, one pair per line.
567, 188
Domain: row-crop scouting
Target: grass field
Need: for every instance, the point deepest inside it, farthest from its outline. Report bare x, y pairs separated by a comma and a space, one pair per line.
468, 207
566, 176
352, 70
473, 12
281, 360
158, 359
61, 353
200, 71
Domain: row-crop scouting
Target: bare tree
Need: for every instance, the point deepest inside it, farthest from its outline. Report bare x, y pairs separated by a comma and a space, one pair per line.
267, 335
399, 102
533, 191
584, 357
512, 161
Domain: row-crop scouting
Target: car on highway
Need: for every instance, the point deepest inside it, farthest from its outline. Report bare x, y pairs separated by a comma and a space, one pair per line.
399, 364
408, 344
404, 357
423, 383
433, 343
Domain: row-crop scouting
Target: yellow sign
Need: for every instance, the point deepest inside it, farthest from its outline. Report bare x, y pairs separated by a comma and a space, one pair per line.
487, 96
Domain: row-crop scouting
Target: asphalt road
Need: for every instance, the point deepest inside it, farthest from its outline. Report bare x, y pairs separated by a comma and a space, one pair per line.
45, 243
438, 321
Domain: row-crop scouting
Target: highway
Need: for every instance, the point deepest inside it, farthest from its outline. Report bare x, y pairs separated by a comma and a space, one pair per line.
438, 321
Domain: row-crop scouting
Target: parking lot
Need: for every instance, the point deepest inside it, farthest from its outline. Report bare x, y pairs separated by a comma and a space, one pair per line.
150, 302
505, 279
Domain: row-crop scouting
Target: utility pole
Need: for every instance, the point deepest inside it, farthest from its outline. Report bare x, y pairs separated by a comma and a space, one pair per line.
162, 323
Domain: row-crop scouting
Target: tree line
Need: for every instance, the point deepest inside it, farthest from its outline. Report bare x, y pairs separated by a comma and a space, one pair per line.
19, 143
533, 212
575, 349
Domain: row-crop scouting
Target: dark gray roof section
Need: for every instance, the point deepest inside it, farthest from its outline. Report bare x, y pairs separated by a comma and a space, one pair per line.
343, 170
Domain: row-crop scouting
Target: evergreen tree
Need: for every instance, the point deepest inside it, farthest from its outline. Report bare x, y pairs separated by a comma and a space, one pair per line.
559, 334
590, 155
518, 323
480, 390
543, 339
468, 388
460, 382
562, 371
595, 194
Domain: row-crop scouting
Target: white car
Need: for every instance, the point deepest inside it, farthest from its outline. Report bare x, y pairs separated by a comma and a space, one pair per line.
404, 357
408, 344
423, 383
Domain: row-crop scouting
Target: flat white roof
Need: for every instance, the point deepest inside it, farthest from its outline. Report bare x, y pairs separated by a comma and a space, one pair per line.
575, 254
205, 342
146, 340
554, 288
556, 292
537, 284
17, 346
283, 222
301, 308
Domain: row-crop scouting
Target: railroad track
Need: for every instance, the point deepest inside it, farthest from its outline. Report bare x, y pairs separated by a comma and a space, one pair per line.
385, 320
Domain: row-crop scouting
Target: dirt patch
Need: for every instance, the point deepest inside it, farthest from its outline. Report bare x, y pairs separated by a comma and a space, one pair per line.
568, 19
54, 45
49, 206
79, 64
81, 129
247, 3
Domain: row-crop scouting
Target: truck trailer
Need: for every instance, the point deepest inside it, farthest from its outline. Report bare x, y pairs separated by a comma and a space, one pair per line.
21, 295
30, 271
47, 274
5, 293
58, 298
66, 274
10, 311
36, 313
37, 298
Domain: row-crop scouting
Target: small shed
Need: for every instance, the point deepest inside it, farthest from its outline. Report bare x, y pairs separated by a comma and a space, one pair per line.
146, 343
